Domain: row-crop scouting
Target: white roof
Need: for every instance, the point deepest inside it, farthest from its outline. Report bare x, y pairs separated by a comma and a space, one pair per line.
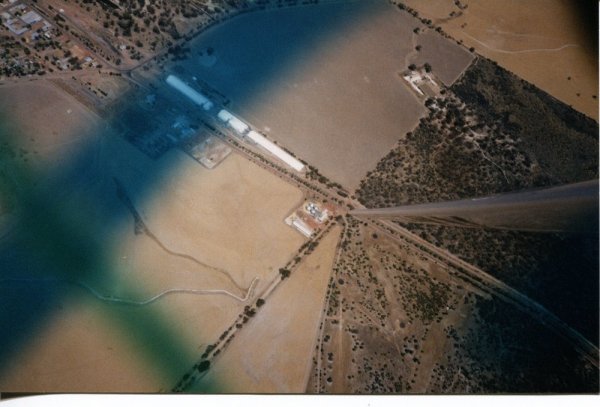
31, 17
235, 123
275, 150
196, 97
224, 115
302, 227
238, 125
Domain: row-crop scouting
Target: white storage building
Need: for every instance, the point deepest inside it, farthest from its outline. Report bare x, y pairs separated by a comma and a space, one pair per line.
235, 123
195, 96
275, 150
302, 227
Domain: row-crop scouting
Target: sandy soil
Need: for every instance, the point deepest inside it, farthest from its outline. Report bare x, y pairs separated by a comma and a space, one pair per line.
539, 40
221, 217
48, 124
79, 351
272, 353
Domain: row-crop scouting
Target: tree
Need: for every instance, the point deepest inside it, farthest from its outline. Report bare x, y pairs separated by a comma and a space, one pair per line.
249, 312
285, 273
412, 67
203, 366
260, 302
427, 67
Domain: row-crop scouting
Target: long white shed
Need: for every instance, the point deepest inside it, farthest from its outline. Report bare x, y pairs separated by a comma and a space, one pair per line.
275, 150
233, 122
195, 96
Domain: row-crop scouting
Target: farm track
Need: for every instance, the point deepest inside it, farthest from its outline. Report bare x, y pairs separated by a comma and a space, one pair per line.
141, 226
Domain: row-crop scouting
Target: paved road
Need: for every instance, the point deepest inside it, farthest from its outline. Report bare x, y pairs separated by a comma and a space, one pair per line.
567, 208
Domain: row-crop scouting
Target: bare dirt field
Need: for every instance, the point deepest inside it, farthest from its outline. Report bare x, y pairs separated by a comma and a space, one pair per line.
198, 214
56, 125
541, 41
213, 231
272, 354
447, 60
336, 109
79, 350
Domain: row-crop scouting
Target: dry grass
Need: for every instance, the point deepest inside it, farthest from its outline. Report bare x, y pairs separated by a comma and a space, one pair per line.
79, 351
498, 29
54, 123
220, 217
272, 354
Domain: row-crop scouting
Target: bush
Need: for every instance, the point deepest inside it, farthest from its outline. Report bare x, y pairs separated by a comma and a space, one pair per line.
203, 366
285, 273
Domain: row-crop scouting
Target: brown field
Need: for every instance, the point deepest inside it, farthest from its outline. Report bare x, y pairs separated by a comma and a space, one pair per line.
357, 107
272, 354
56, 125
220, 218
447, 60
339, 110
198, 214
79, 351
539, 40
